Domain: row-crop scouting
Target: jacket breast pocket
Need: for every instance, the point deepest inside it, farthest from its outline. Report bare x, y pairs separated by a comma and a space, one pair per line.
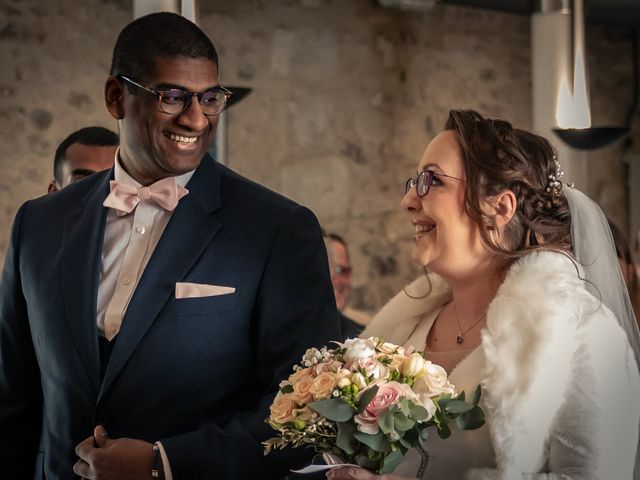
199, 306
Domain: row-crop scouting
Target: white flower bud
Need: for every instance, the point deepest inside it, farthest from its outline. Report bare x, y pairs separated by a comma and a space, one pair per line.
414, 366
359, 380
344, 382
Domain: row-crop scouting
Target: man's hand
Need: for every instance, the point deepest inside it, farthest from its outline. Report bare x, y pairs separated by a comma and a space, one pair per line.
102, 458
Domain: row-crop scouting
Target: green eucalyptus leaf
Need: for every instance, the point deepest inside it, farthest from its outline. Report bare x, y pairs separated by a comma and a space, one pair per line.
424, 433
475, 399
287, 389
440, 418
366, 397
405, 443
410, 438
391, 461
345, 440
377, 442
402, 423
444, 431
471, 420
443, 402
460, 396
404, 405
458, 406
418, 412
334, 409
385, 421
365, 462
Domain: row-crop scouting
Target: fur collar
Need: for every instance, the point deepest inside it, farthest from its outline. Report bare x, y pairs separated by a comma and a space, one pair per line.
529, 341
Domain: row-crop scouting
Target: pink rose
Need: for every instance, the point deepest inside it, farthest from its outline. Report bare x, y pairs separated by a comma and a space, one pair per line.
388, 394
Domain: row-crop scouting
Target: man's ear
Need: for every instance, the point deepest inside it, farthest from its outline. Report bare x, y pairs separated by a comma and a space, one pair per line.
504, 205
53, 186
113, 97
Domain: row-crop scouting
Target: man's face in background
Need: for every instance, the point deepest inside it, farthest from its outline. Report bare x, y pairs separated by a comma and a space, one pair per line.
340, 269
81, 161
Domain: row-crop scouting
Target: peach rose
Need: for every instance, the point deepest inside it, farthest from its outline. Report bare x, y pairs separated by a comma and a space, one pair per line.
304, 372
323, 385
282, 408
302, 390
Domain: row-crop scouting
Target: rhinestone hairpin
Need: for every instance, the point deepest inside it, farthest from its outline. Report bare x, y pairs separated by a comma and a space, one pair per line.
554, 186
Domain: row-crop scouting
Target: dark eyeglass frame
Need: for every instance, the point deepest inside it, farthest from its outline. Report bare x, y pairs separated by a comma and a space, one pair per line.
423, 182
188, 96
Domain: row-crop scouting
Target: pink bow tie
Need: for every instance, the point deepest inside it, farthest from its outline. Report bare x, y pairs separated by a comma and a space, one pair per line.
124, 198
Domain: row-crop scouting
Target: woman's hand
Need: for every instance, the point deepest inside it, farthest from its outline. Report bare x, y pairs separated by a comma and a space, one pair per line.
356, 473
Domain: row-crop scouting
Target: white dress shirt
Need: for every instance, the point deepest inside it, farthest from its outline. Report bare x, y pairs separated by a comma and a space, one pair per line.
129, 242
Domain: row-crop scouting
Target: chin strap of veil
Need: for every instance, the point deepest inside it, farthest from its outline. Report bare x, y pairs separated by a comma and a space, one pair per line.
594, 250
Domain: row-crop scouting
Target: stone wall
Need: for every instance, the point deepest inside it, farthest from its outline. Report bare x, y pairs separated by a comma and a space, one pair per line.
345, 97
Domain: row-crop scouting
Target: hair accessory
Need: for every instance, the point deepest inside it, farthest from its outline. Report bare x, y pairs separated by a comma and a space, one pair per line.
555, 185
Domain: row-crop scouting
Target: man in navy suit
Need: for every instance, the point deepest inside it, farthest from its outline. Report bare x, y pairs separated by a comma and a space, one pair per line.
148, 313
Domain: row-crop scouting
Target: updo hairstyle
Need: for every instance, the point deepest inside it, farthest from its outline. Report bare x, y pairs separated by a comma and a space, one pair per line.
498, 157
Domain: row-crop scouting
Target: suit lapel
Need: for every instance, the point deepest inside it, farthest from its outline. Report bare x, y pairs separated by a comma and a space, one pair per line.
190, 230
81, 259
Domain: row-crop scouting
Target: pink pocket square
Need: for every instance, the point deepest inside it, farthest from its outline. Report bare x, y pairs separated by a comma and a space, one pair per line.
196, 290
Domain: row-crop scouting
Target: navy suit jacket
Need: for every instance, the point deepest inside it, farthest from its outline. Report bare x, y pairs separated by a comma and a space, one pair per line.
197, 374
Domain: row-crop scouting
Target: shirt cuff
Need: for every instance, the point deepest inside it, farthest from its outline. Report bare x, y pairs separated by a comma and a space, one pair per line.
165, 463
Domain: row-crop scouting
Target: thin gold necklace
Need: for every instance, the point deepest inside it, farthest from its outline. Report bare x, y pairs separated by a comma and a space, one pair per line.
462, 333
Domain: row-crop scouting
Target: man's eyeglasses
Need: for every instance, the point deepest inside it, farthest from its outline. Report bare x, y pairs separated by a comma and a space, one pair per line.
423, 182
174, 101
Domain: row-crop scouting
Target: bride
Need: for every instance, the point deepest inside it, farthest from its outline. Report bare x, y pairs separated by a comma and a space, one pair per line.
515, 300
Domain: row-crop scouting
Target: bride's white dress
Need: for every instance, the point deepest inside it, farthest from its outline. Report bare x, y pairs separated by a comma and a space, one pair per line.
451, 458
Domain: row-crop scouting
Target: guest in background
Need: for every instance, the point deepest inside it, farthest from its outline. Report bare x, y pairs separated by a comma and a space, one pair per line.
341, 270
627, 267
83, 153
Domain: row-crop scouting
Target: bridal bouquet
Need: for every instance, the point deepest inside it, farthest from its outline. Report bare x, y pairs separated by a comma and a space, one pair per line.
367, 402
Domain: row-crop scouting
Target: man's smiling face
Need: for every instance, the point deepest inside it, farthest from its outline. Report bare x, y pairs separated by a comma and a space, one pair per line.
154, 144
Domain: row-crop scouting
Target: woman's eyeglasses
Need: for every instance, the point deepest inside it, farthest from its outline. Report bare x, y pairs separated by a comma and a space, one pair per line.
423, 182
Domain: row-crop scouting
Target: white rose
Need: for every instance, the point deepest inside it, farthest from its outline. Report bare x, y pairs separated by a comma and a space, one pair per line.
434, 382
358, 348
